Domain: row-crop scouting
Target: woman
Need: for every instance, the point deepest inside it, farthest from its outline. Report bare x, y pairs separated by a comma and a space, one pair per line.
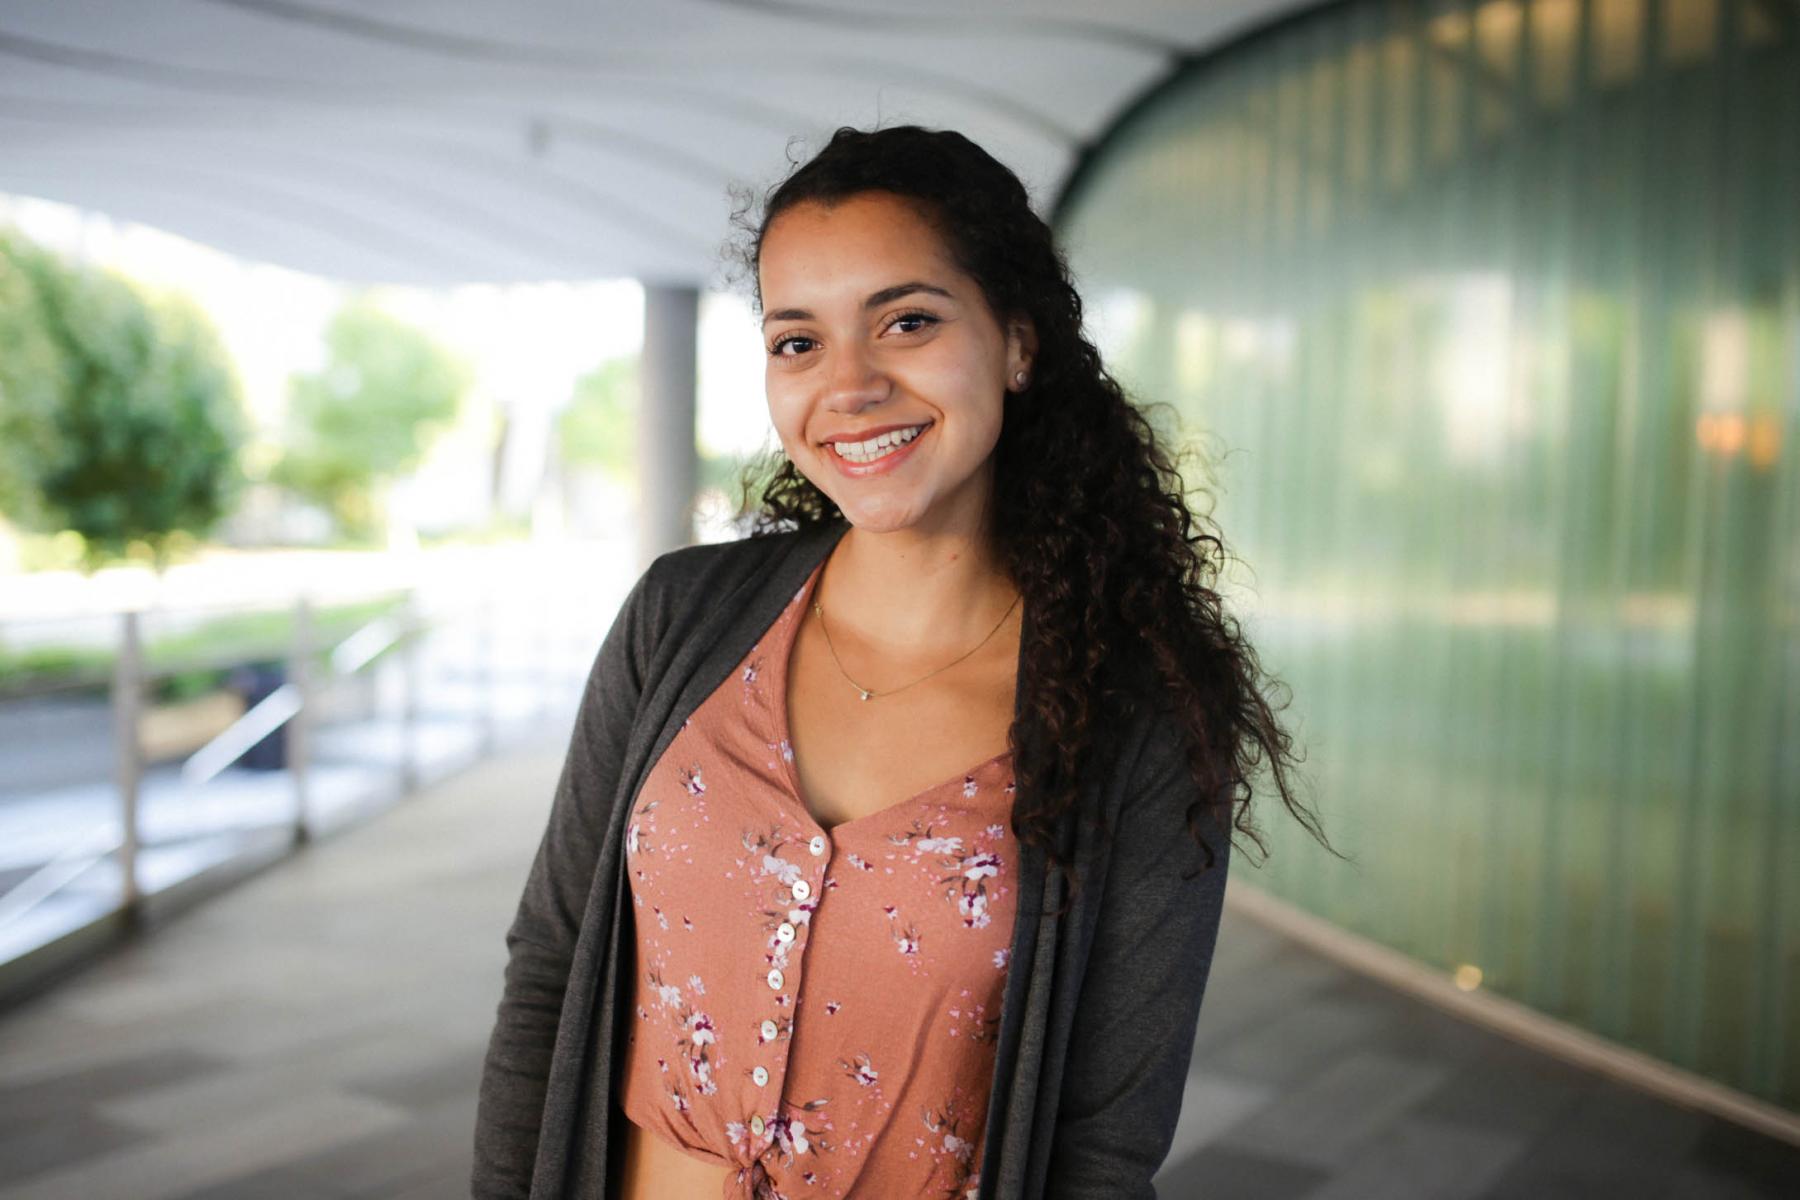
890, 849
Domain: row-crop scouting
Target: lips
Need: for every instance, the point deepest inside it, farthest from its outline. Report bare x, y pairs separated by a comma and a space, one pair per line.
878, 446
863, 435
888, 461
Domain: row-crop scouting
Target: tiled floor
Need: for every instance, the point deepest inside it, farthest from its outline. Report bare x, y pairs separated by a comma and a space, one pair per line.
317, 1034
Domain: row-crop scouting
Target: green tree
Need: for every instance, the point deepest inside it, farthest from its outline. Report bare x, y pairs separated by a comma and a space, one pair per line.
148, 419
31, 386
386, 392
722, 471
598, 427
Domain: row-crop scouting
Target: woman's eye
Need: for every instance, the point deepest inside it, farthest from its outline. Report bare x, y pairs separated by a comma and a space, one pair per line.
775, 350
926, 318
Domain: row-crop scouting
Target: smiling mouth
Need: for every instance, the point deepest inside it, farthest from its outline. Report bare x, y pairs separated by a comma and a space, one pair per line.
876, 449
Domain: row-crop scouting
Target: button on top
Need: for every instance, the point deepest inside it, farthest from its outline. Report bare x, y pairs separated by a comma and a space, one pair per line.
769, 1031
817, 845
775, 977
802, 889
784, 932
761, 1075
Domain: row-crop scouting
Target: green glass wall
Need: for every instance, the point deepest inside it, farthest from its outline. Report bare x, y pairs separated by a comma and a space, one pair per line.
1488, 317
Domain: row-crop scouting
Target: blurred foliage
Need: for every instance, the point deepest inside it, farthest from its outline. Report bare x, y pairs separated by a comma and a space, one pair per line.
723, 471
386, 392
500, 528
193, 661
47, 666
258, 634
31, 384
598, 427
145, 420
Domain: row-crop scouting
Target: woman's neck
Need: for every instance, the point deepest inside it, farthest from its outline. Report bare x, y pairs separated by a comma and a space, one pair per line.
910, 596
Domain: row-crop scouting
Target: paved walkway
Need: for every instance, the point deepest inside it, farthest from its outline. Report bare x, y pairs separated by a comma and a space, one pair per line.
317, 1034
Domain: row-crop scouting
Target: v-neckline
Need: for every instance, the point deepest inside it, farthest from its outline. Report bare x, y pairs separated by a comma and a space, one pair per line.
787, 754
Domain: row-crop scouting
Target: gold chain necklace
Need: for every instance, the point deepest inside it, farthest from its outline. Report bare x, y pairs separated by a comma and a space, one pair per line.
864, 692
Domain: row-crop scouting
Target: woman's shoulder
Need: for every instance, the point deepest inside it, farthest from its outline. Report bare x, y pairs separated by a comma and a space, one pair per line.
697, 559
682, 584
680, 571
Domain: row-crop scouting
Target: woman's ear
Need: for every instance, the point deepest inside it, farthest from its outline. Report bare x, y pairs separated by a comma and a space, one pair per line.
1021, 346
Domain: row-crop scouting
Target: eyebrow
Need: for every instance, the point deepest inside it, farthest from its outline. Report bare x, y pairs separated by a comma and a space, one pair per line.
876, 300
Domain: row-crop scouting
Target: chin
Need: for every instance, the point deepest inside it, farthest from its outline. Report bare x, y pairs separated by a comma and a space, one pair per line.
873, 515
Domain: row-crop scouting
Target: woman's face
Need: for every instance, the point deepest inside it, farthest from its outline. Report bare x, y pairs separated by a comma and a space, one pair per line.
869, 327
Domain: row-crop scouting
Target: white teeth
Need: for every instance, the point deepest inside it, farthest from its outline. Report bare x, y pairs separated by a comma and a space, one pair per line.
876, 446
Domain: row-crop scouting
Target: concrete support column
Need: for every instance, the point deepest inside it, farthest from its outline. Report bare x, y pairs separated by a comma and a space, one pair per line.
668, 463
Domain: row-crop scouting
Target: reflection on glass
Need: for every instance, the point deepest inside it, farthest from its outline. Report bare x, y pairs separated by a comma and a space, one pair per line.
1485, 314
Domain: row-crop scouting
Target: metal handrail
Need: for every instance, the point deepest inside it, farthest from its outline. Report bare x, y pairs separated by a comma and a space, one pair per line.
279, 706
362, 647
294, 707
235, 740
60, 871
271, 713
100, 676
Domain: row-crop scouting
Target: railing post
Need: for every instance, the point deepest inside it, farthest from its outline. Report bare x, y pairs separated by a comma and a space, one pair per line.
490, 674
547, 596
299, 726
411, 624
127, 706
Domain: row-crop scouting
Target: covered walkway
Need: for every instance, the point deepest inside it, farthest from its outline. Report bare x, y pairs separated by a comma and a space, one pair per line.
317, 1033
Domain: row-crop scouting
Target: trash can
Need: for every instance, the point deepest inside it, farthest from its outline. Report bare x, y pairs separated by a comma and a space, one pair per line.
254, 683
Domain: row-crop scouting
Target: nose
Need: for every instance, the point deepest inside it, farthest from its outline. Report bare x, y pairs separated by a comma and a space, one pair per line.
853, 380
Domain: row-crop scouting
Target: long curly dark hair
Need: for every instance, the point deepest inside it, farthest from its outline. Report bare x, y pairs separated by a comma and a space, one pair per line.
1089, 512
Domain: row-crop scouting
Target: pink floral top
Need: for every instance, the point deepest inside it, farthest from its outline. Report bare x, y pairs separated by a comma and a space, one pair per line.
814, 1007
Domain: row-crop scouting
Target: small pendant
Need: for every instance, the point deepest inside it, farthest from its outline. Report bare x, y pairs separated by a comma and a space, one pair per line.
865, 695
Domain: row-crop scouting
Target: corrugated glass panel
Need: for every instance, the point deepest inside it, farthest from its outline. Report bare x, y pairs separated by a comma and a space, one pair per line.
1486, 318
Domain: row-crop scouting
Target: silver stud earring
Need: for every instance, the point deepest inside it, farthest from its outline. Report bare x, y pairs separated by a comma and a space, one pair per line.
1020, 378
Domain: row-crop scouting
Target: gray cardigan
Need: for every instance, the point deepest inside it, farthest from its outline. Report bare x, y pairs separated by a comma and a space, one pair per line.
1097, 1023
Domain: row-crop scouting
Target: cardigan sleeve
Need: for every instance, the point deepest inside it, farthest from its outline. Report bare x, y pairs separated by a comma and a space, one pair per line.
541, 940
1139, 1005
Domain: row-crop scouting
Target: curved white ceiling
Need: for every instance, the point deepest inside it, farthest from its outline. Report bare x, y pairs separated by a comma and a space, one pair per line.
442, 141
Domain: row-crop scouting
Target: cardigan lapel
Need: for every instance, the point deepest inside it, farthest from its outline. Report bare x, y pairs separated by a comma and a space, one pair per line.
1013, 1085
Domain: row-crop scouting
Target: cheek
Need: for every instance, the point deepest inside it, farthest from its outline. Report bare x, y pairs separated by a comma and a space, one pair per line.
972, 395
962, 374
989, 436
781, 406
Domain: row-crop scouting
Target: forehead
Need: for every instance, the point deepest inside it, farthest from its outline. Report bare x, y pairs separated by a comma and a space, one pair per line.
854, 246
